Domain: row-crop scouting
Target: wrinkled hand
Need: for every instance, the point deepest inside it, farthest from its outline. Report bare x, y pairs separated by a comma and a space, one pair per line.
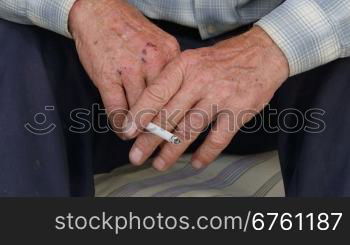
236, 75
121, 51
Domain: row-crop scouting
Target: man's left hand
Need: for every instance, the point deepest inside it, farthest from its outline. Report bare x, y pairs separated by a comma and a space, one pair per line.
234, 76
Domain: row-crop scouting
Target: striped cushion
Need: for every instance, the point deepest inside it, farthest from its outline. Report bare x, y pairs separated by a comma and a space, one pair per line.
234, 176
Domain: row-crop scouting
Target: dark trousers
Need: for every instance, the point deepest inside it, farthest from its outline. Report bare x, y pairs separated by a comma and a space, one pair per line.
42, 82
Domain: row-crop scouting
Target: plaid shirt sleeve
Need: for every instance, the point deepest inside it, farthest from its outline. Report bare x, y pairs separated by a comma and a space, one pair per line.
310, 32
48, 14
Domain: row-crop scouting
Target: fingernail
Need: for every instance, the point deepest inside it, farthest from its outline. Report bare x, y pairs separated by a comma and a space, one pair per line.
129, 129
159, 164
136, 156
197, 164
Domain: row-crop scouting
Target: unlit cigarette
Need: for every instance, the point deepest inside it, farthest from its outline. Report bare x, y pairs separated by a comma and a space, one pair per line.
162, 133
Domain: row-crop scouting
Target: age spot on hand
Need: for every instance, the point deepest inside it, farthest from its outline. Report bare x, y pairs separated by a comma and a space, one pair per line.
151, 45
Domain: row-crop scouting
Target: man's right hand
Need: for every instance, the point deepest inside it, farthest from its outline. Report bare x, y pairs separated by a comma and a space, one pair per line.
121, 50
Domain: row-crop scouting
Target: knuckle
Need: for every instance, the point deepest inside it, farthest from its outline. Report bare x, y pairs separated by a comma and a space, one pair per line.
217, 143
105, 70
107, 76
173, 41
168, 154
186, 55
197, 120
146, 143
174, 45
158, 93
178, 66
185, 132
116, 119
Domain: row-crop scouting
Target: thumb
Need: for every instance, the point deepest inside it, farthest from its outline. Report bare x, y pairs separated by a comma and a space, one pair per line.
154, 98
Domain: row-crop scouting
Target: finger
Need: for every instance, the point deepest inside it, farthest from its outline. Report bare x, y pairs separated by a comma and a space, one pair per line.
218, 139
194, 123
153, 99
146, 143
114, 100
134, 85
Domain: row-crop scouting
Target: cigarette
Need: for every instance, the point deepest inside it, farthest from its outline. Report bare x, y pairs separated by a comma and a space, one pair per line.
162, 133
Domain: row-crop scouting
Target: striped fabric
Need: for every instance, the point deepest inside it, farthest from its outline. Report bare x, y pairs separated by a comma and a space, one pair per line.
231, 176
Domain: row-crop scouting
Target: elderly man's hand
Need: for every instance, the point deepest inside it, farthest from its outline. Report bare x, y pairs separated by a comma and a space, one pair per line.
215, 83
121, 51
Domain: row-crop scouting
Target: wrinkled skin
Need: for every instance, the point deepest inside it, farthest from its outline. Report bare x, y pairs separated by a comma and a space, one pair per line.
238, 74
121, 51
